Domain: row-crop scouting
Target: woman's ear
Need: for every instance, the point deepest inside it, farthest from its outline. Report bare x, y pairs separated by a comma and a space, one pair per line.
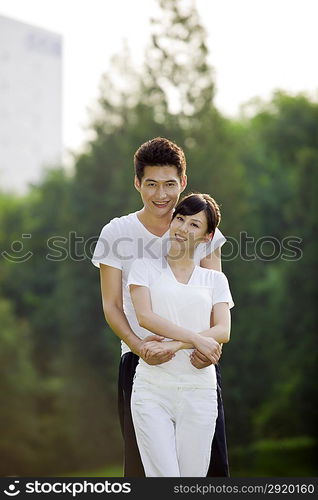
208, 237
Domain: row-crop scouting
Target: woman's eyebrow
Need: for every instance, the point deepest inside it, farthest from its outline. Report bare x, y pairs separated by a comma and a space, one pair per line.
197, 220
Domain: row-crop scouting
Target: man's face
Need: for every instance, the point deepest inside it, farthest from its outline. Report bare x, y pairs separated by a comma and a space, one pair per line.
160, 189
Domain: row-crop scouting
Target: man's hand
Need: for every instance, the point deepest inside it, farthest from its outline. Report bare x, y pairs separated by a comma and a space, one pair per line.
155, 352
199, 360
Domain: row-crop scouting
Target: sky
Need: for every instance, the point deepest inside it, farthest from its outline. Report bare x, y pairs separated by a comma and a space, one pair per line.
256, 46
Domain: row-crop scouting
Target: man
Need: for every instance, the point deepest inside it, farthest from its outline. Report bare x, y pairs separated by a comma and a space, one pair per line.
160, 178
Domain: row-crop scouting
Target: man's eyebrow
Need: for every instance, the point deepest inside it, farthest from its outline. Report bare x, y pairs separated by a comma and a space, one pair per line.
153, 180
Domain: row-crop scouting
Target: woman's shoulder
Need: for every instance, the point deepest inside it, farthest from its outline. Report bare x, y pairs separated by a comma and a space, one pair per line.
210, 276
210, 272
150, 263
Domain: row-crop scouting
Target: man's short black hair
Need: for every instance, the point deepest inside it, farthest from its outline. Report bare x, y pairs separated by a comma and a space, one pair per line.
156, 152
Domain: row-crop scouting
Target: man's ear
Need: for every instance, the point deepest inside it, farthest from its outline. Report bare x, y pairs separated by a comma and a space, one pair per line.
184, 182
137, 183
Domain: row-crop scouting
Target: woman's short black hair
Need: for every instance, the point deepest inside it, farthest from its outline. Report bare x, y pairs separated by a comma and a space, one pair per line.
196, 202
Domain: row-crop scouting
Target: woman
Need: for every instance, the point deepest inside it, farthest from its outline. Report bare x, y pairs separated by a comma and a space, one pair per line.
174, 405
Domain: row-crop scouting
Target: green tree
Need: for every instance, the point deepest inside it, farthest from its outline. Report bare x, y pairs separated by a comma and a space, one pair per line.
17, 386
280, 153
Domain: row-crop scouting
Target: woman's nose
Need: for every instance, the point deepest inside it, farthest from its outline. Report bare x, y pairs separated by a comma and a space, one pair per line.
184, 227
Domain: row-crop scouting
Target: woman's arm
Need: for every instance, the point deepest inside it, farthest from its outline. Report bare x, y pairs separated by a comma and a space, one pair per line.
222, 323
151, 321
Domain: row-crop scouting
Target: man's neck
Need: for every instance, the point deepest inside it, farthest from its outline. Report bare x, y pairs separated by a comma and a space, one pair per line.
156, 225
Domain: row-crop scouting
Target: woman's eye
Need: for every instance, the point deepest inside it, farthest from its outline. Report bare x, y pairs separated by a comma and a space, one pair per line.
195, 225
179, 218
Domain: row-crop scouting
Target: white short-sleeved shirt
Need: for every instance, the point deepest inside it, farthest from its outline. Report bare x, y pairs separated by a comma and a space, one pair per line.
125, 239
186, 305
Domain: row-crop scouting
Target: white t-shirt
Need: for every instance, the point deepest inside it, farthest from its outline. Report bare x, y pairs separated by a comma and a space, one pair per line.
186, 305
125, 239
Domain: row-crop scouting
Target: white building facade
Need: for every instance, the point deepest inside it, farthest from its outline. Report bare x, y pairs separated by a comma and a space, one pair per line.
30, 103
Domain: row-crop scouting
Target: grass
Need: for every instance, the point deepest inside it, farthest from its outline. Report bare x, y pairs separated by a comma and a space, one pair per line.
109, 471
293, 457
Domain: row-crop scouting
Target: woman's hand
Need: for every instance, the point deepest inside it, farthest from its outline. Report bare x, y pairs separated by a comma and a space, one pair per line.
198, 360
209, 347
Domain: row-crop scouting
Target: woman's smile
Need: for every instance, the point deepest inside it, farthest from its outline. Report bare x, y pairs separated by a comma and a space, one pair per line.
179, 237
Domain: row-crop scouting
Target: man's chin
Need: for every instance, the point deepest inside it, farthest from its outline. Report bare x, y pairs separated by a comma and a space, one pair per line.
162, 211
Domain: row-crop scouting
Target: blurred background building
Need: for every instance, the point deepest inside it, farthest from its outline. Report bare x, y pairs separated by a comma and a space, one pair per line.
30, 103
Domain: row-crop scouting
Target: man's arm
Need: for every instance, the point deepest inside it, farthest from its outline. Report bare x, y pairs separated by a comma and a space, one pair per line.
111, 290
213, 260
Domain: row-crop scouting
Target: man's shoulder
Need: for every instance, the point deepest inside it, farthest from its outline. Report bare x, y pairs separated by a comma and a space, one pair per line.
120, 224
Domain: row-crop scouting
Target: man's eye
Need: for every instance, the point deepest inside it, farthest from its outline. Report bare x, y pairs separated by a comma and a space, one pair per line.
150, 184
171, 184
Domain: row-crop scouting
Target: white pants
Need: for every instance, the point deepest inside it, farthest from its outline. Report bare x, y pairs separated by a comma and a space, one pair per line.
174, 428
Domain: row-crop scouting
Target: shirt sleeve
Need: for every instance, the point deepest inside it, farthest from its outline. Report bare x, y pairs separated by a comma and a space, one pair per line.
105, 249
221, 290
217, 241
138, 274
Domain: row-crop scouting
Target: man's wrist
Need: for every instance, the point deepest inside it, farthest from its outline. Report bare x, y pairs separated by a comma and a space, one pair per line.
177, 344
135, 346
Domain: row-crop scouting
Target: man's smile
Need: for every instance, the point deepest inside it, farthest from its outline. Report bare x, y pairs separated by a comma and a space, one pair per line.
161, 204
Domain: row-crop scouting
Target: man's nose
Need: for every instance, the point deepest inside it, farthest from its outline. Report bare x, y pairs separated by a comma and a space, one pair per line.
161, 192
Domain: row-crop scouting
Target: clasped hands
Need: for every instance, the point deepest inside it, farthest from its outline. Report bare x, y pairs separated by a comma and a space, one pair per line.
155, 351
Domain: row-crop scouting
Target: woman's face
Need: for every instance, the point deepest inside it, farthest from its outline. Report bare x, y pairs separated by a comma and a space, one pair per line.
187, 231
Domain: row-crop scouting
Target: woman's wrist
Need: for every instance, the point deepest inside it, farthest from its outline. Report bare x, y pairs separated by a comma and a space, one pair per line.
194, 339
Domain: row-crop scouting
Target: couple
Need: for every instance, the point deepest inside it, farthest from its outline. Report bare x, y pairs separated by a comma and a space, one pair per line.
173, 297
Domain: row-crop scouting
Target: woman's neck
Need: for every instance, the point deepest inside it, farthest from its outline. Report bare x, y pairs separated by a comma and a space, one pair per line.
180, 262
